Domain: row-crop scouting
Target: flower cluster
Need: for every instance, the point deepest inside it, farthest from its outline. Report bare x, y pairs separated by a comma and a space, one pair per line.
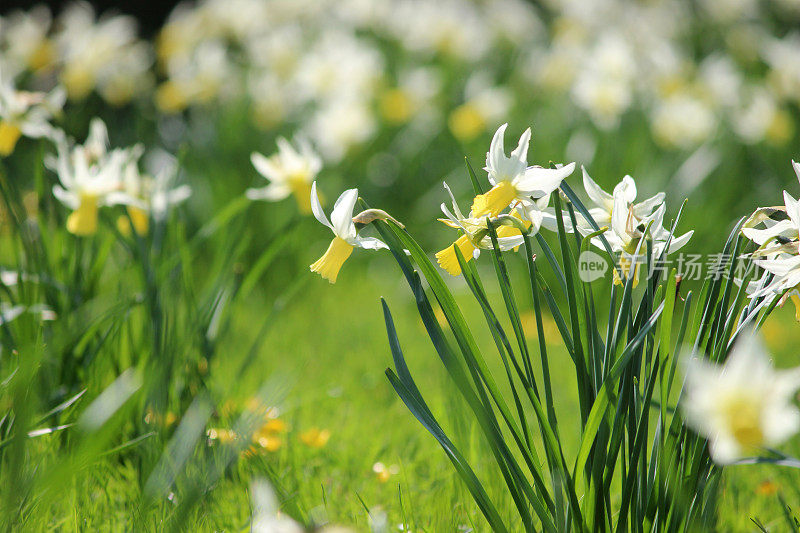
776, 232
524, 189
337, 69
92, 175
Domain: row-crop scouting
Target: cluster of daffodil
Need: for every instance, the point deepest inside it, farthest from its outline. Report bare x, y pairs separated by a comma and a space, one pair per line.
526, 192
77, 49
337, 69
776, 232
92, 176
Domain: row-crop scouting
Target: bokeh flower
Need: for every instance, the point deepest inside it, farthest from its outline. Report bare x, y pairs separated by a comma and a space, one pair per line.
742, 405
290, 171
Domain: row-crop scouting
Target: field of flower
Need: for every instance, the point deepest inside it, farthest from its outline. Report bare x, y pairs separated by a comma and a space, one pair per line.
401, 265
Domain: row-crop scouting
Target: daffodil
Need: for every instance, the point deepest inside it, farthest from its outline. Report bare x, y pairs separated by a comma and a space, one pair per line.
290, 172
511, 177
345, 235
90, 177
742, 405
156, 193
25, 114
604, 202
627, 223
776, 230
531, 216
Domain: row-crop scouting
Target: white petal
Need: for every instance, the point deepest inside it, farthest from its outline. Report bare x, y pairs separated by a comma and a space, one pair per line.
619, 217
456, 209
627, 188
264, 166
538, 181
342, 214
316, 208
792, 209
370, 243
679, 242
521, 152
272, 192
724, 449
600, 197
67, 198
646, 207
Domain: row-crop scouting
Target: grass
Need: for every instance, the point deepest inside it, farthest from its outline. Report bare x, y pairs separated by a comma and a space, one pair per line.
323, 356
329, 346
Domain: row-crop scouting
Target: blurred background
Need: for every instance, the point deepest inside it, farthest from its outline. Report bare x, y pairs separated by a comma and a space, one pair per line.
696, 98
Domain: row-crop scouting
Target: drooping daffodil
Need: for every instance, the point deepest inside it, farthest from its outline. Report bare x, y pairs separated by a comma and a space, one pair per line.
90, 176
25, 113
512, 178
290, 171
742, 405
475, 230
345, 236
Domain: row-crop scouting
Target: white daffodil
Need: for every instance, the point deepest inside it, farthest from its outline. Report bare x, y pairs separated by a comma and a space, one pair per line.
157, 193
512, 178
742, 405
290, 171
775, 230
785, 282
627, 222
604, 202
25, 113
475, 232
344, 230
91, 177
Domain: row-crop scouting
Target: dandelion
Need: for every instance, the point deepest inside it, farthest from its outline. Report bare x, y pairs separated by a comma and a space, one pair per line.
25, 113
384, 472
512, 179
315, 437
290, 171
742, 405
91, 177
345, 235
